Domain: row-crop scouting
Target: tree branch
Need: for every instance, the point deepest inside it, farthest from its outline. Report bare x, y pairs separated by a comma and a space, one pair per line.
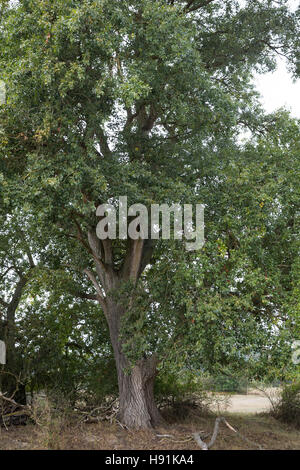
100, 297
132, 265
219, 420
13, 304
7, 271
105, 150
95, 254
191, 7
84, 295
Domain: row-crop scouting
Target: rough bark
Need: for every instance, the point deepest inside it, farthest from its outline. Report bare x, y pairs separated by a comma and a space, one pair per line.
136, 384
137, 405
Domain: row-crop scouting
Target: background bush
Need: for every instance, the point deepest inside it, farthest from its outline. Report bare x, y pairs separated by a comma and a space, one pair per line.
288, 407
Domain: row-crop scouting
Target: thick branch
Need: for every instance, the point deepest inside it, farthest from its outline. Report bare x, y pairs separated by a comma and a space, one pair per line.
13, 304
96, 245
27, 250
133, 259
201, 443
219, 420
100, 297
13, 402
84, 295
95, 253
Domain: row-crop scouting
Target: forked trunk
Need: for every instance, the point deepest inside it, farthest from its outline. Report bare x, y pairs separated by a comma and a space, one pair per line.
136, 385
137, 405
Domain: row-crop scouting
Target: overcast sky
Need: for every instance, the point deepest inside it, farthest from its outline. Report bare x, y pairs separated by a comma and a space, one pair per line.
278, 89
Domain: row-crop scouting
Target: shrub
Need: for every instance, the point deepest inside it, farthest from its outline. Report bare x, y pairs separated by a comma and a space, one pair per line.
226, 383
288, 407
172, 387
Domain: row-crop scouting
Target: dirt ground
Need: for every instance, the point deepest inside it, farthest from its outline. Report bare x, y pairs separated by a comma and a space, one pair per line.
257, 429
251, 403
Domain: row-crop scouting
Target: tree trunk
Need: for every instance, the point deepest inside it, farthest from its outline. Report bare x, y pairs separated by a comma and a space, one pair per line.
136, 384
10, 377
137, 405
11, 373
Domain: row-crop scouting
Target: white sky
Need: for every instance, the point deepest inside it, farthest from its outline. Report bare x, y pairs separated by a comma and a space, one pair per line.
279, 89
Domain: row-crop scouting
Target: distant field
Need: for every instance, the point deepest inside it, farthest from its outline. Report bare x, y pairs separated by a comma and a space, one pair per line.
248, 404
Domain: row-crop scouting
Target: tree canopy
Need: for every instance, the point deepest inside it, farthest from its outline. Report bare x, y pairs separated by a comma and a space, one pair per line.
149, 100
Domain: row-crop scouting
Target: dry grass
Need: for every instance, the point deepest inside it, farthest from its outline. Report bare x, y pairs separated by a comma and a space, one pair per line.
263, 429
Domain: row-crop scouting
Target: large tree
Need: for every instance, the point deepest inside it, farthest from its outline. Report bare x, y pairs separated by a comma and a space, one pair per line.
114, 98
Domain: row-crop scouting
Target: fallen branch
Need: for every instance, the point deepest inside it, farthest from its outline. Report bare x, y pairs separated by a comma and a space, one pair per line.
15, 412
108, 413
181, 441
13, 402
205, 446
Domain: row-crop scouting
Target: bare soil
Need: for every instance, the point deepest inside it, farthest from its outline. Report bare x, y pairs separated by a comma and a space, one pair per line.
248, 404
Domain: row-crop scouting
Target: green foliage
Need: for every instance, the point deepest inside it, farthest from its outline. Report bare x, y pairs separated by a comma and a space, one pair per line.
148, 99
225, 383
288, 408
65, 349
175, 386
